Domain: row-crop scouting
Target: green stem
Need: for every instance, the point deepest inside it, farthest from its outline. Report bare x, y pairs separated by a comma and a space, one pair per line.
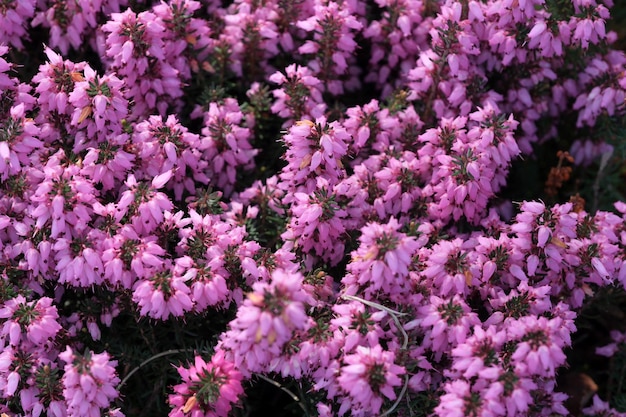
147, 361
291, 394
394, 315
400, 397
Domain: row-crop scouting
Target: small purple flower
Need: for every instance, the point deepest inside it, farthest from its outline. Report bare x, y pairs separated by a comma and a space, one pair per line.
380, 266
266, 321
37, 319
5, 80
225, 143
14, 18
70, 23
89, 382
462, 399
479, 355
135, 44
143, 204
187, 40
79, 260
299, 96
601, 408
316, 226
164, 145
127, 256
360, 326
447, 323
163, 294
369, 375
314, 151
19, 140
540, 347
55, 81
62, 200
110, 163
208, 389
333, 26
99, 107
396, 41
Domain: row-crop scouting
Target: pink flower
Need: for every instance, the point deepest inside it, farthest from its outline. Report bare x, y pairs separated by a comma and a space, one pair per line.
132, 40
596, 98
266, 321
314, 150
127, 256
109, 163
316, 226
251, 35
69, 22
540, 347
590, 28
19, 139
36, 247
135, 44
164, 145
99, 107
333, 26
55, 81
5, 80
463, 173
14, 19
369, 374
586, 151
208, 389
523, 300
88, 383
461, 399
207, 238
16, 363
480, 355
602, 408
299, 96
447, 323
37, 319
514, 391
448, 268
185, 33
618, 338
43, 391
62, 199
360, 326
396, 41
364, 125
208, 281
163, 294
225, 143
381, 263
79, 260
542, 38
143, 204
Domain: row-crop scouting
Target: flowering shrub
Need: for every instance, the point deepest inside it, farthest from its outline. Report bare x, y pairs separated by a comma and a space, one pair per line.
206, 205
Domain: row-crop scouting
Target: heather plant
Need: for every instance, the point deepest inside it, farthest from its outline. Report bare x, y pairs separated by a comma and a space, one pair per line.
317, 208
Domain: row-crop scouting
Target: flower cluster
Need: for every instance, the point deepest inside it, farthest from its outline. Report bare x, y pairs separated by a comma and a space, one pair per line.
208, 388
333, 26
266, 321
89, 382
327, 195
225, 143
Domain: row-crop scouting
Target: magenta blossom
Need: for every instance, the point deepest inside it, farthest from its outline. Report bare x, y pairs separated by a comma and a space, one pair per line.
369, 376
88, 383
37, 319
208, 389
